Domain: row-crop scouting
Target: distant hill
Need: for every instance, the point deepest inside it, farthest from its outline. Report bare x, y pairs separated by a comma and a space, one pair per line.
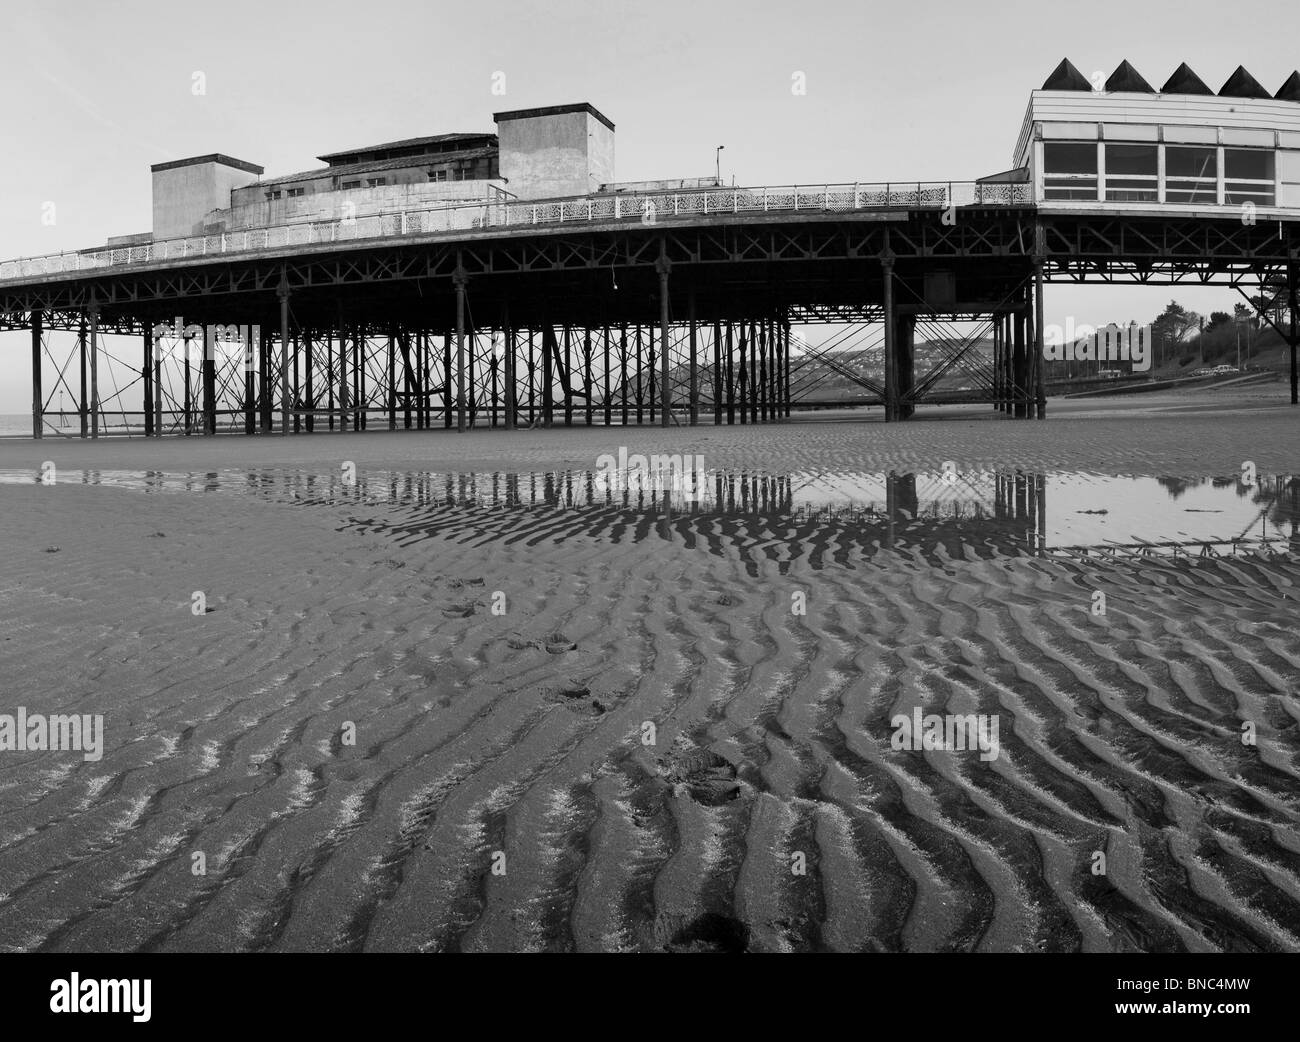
822, 380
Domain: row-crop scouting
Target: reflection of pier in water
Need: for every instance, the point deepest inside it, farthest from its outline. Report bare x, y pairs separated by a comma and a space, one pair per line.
820, 518
755, 515
777, 518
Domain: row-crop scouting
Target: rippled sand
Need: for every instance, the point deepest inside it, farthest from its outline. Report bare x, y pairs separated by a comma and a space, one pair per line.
770, 812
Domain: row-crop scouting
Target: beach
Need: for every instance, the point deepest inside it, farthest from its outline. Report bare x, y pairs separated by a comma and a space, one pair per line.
415, 691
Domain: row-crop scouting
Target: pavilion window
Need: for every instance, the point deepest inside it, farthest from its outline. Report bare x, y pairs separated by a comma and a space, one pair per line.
1248, 176
1191, 174
1069, 170
1132, 173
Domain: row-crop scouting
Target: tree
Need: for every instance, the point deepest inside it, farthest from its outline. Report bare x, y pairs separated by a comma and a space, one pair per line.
1217, 319
1175, 324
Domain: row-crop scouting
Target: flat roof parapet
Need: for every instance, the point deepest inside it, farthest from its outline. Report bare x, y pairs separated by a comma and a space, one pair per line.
554, 110
213, 157
410, 144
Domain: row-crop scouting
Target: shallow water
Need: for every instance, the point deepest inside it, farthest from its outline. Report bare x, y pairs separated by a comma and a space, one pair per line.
1070, 513
1123, 631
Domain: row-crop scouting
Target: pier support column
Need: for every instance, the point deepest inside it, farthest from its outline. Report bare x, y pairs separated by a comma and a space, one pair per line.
1008, 363
209, 378
636, 369
663, 266
755, 378
891, 349
731, 380
82, 415
652, 389
263, 379
999, 329
424, 403
587, 371
392, 380
250, 390
566, 374
337, 383
187, 398
717, 373
156, 362
1019, 384
785, 336
511, 369
309, 363
94, 370
623, 369
742, 376
459, 280
605, 379
360, 358
693, 361
146, 375
904, 337
1039, 366
38, 397
283, 293
550, 351
447, 382
408, 382
999, 360
1293, 295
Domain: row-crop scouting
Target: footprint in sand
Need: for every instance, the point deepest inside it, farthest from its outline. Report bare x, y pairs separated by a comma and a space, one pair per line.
710, 932
457, 584
557, 643
459, 611
576, 696
708, 778
553, 643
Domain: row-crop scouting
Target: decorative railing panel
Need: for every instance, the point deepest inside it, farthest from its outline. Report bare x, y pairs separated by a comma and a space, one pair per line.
646, 208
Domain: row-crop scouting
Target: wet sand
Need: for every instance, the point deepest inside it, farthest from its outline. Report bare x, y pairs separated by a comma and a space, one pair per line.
501, 794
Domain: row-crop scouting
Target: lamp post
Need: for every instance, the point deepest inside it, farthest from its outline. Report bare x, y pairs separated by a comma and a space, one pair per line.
717, 164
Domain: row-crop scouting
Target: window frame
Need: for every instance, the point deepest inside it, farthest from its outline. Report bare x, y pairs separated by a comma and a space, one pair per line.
1071, 184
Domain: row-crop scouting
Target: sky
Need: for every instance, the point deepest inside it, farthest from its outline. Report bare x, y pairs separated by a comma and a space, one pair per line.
92, 94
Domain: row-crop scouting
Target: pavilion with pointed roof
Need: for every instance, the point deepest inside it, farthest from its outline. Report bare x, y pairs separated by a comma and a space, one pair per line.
1118, 144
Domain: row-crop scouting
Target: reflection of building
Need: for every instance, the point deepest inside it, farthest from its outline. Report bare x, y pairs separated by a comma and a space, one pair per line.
536, 153
1131, 147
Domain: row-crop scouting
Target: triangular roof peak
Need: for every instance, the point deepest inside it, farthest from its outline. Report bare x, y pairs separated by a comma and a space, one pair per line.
1127, 78
1242, 84
1066, 77
1185, 81
1290, 90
